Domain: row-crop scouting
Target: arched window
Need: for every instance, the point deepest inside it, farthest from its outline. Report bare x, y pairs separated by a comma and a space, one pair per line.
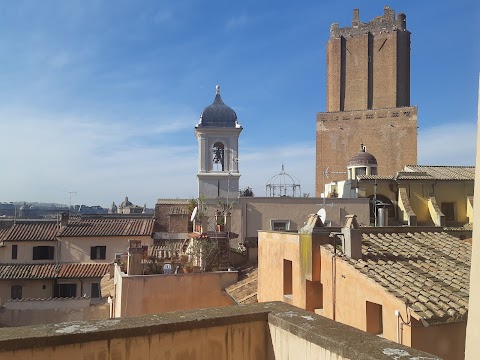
218, 156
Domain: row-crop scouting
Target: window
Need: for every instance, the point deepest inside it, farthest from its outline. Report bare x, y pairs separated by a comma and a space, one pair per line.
448, 209
66, 290
16, 292
360, 171
314, 298
280, 225
374, 318
98, 252
43, 252
287, 278
95, 291
14, 251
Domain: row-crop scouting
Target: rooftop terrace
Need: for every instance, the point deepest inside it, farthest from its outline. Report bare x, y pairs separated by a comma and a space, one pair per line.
257, 331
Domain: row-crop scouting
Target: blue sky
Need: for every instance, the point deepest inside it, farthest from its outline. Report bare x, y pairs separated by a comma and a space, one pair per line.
101, 97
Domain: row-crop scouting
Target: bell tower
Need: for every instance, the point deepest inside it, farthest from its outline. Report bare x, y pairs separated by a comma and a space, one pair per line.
217, 133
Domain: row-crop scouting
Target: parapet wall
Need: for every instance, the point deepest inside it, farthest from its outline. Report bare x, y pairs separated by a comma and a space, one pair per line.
260, 331
56, 310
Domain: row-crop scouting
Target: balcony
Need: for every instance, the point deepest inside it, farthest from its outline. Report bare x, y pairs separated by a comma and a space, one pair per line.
259, 331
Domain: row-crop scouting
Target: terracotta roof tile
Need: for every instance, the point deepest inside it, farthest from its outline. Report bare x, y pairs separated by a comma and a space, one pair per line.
430, 271
425, 172
35, 231
444, 172
52, 271
108, 227
245, 291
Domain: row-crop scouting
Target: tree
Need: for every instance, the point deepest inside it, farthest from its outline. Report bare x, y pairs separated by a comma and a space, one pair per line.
204, 252
247, 191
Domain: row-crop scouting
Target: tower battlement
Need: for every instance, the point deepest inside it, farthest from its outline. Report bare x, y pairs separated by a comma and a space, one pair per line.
379, 24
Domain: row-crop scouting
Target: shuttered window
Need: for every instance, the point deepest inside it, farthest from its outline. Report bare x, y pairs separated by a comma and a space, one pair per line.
98, 252
43, 253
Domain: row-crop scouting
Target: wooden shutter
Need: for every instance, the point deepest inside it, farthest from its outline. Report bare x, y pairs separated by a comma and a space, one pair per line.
103, 252
93, 253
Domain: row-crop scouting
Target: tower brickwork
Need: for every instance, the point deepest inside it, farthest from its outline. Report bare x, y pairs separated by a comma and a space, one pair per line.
368, 97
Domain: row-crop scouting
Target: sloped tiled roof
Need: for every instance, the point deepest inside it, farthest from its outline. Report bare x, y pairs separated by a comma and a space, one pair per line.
52, 271
36, 231
108, 227
173, 201
3, 232
429, 271
425, 172
245, 290
444, 172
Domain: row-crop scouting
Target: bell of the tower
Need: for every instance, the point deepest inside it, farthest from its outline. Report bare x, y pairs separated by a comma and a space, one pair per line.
217, 133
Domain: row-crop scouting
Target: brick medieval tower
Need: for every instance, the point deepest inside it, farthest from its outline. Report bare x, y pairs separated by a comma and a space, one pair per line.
368, 97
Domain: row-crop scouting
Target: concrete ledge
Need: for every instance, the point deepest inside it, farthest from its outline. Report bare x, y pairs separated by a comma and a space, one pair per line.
291, 330
343, 340
28, 337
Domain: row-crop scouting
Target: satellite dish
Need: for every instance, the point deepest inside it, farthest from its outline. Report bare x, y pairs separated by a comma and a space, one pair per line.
323, 215
194, 213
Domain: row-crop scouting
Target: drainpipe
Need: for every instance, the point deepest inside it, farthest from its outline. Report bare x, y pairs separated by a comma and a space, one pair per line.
397, 315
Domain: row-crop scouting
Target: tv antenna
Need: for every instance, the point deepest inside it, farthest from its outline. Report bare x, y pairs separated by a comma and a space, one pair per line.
70, 193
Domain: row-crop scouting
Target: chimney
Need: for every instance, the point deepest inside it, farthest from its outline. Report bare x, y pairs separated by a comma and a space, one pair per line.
135, 256
64, 219
352, 238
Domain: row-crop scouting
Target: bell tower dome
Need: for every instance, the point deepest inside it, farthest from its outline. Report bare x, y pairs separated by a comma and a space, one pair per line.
217, 133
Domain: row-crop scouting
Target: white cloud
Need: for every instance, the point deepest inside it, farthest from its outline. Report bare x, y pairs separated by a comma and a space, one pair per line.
45, 157
448, 144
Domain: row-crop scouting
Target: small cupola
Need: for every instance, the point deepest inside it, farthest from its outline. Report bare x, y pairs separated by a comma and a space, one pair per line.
363, 163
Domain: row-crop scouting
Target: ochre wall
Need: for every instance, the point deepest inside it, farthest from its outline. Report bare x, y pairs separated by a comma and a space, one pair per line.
273, 248
419, 192
31, 289
348, 303
444, 340
25, 252
390, 135
77, 249
150, 294
236, 342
